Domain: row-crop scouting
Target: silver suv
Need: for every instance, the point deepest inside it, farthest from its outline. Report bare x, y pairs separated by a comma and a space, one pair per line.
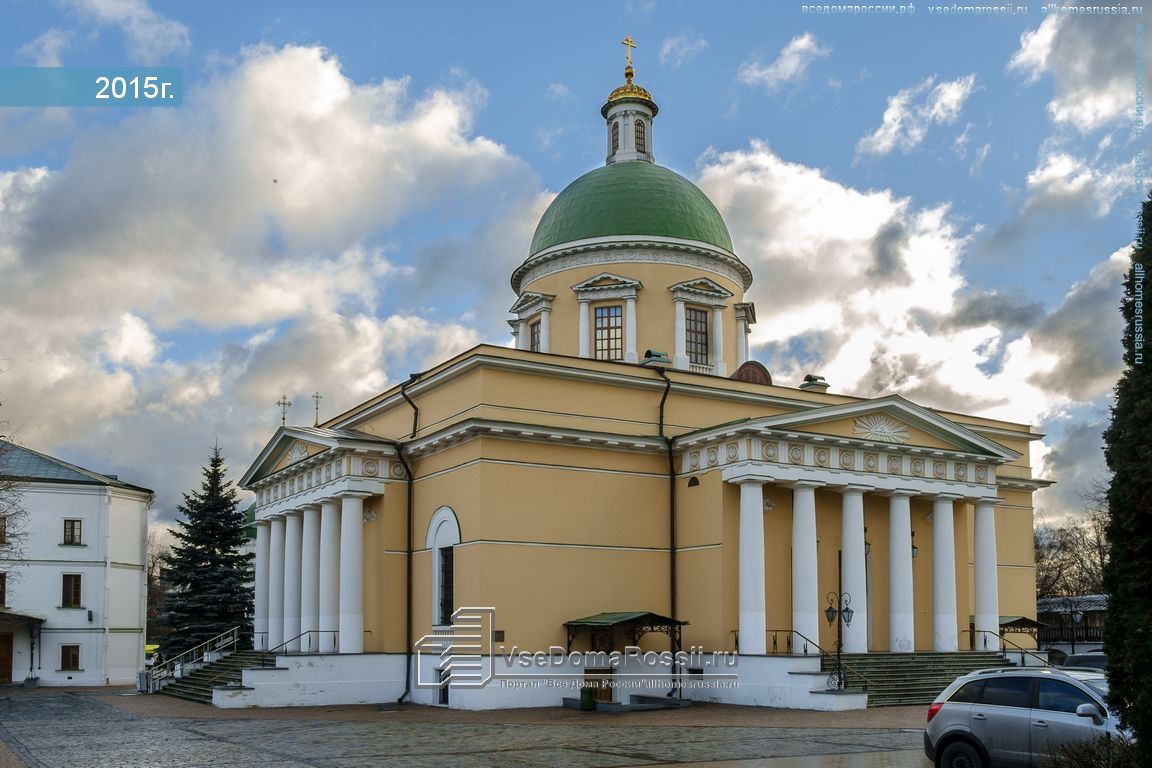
1015, 716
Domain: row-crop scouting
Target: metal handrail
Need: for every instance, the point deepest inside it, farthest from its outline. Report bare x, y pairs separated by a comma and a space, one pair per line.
167, 669
823, 653
1019, 648
282, 648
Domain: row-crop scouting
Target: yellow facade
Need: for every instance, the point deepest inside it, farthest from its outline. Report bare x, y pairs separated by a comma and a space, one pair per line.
557, 481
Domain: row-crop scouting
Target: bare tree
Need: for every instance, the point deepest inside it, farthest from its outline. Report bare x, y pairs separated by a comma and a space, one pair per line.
157, 549
1071, 558
13, 514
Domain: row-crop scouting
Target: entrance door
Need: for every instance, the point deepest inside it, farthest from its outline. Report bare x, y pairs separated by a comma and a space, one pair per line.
6, 657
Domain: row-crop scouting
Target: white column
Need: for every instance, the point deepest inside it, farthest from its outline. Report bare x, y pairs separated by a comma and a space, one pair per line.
944, 632
523, 339
901, 615
630, 355
719, 367
680, 361
741, 341
275, 581
585, 323
854, 576
545, 330
260, 579
987, 582
805, 582
292, 542
351, 573
310, 579
329, 574
752, 615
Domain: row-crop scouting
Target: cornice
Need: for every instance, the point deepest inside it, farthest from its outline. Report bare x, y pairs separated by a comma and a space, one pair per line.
623, 249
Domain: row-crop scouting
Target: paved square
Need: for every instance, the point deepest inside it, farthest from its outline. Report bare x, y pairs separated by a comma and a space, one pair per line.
111, 729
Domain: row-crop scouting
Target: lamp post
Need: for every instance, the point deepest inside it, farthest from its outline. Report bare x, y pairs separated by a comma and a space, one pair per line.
1076, 617
839, 610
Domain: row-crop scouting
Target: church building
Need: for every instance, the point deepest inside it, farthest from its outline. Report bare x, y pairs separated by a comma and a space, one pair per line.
625, 476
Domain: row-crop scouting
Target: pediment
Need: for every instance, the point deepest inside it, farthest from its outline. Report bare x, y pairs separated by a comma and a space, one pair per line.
607, 280
893, 420
293, 445
530, 301
701, 288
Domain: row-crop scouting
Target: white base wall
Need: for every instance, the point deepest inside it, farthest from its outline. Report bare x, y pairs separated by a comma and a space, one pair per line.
545, 681
784, 682
315, 680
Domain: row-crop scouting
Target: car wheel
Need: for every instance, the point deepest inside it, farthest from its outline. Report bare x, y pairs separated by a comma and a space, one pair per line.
960, 754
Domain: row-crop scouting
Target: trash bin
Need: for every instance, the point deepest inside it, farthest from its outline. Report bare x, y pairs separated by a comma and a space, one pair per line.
587, 698
142, 680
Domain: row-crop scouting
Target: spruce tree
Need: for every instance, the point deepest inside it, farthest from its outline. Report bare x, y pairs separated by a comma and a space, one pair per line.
207, 577
1128, 451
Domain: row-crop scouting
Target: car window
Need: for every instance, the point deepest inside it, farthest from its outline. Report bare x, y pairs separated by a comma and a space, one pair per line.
1059, 696
1006, 691
969, 693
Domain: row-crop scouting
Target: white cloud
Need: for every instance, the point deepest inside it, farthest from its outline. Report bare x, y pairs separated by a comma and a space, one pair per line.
1091, 66
913, 111
977, 166
558, 91
681, 49
149, 36
865, 288
46, 50
131, 342
1061, 181
171, 224
789, 67
1035, 48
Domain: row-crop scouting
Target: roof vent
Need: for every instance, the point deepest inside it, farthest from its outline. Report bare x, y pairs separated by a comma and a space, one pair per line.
814, 383
652, 357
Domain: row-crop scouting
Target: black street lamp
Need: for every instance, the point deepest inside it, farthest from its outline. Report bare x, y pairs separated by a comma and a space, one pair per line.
839, 608
1075, 617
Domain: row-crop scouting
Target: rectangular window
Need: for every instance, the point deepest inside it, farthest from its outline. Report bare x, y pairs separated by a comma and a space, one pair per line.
72, 530
3, 529
610, 332
70, 591
446, 596
3, 589
534, 336
69, 658
697, 336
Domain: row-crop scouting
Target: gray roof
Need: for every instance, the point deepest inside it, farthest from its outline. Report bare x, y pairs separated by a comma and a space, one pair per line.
27, 465
1082, 603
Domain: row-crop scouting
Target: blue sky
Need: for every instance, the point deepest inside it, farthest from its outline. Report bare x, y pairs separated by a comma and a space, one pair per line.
932, 205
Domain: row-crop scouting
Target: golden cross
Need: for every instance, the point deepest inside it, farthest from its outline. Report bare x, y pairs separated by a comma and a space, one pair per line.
629, 45
284, 404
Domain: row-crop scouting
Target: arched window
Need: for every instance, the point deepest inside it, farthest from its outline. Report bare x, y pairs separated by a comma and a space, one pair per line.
615, 137
641, 144
443, 536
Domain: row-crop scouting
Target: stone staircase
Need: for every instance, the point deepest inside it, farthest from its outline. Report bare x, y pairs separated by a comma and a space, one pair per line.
197, 686
898, 679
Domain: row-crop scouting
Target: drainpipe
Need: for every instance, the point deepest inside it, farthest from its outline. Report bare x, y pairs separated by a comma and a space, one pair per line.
669, 444
412, 378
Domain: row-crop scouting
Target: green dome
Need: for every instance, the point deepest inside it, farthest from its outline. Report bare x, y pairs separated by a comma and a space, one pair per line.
631, 198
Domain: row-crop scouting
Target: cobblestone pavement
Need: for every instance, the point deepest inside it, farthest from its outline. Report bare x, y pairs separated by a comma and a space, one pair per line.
103, 729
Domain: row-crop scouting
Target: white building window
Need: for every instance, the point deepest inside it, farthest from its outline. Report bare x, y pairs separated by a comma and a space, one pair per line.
443, 536
70, 658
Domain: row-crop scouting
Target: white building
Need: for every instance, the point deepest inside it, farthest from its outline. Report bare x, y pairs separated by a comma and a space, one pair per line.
72, 608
